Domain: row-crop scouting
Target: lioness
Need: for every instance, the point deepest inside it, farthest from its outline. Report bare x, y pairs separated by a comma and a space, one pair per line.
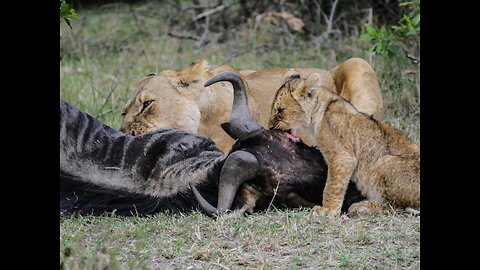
177, 99
380, 160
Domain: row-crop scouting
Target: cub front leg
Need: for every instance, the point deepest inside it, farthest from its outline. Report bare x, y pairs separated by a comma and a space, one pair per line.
340, 170
250, 196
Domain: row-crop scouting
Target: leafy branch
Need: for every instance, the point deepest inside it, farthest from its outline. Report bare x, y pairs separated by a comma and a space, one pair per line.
67, 13
391, 40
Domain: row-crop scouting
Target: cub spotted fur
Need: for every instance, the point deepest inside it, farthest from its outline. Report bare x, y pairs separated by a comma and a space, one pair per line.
383, 163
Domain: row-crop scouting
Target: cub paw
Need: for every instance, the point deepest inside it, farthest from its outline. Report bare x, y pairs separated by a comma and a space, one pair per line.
367, 207
359, 209
322, 211
413, 212
232, 215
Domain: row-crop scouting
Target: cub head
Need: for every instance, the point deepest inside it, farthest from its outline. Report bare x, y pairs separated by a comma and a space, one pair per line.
165, 100
294, 102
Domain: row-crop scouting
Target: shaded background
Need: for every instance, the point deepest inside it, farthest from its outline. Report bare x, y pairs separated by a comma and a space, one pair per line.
115, 43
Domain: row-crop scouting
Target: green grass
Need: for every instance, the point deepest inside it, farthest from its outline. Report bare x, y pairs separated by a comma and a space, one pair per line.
103, 56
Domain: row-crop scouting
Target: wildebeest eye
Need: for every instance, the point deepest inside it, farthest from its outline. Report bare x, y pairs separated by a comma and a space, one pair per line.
145, 105
280, 110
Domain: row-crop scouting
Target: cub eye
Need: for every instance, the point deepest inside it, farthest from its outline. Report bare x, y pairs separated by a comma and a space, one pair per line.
124, 113
280, 110
145, 105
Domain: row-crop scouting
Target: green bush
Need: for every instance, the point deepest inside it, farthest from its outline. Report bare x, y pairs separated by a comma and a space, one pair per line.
400, 36
67, 13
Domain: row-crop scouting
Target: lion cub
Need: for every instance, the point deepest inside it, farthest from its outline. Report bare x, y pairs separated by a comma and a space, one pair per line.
380, 160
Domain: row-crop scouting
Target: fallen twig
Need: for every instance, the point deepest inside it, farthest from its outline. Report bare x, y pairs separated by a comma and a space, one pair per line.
234, 55
212, 11
183, 36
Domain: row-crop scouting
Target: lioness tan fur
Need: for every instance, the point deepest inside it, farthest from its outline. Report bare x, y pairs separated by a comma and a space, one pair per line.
384, 164
356, 81
177, 99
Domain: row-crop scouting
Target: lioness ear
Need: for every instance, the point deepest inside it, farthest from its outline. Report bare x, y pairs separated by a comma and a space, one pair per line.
184, 79
197, 67
192, 73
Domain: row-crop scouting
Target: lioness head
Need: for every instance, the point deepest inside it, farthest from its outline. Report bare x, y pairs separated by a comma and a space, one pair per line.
165, 100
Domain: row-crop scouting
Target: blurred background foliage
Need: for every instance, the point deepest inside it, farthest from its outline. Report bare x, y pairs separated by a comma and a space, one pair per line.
113, 43
392, 26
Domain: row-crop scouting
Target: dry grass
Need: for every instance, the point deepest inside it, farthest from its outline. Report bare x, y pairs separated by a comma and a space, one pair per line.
288, 239
101, 59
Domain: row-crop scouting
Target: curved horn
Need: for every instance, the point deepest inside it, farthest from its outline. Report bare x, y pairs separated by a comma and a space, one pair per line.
206, 206
241, 123
239, 167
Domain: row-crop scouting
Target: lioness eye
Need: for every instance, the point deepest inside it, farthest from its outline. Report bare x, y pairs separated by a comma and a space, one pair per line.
124, 113
280, 110
145, 105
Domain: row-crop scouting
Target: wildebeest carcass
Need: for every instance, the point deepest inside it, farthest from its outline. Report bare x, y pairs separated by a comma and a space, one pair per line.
267, 164
104, 170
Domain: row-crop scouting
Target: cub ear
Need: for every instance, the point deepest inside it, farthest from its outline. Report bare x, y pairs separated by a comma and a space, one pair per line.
309, 87
289, 75
312, 79
227, 128
129, 102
